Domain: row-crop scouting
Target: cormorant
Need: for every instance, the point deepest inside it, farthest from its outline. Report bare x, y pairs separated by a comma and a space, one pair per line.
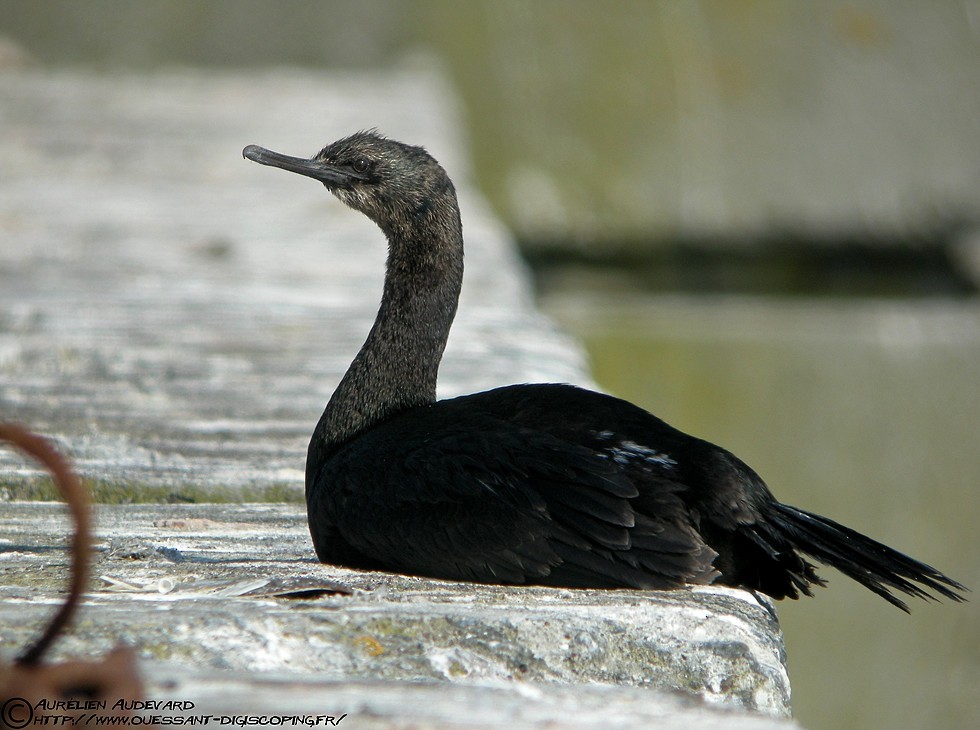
530, 484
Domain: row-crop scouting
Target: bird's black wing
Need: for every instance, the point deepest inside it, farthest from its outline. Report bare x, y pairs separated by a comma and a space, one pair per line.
482, 499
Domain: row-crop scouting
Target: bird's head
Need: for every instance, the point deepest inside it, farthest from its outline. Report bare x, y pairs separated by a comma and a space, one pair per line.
390, 182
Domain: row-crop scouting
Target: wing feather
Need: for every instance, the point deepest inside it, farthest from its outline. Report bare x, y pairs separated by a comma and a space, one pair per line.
489, 501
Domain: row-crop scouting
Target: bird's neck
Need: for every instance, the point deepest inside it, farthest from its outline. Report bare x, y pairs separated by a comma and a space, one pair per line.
397, 367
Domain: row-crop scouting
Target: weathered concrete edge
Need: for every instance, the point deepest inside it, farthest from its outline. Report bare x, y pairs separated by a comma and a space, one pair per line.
377, 704
716, 643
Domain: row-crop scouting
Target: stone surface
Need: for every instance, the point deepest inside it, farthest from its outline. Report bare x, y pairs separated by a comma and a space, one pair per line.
233, 588
419, 706
177, 316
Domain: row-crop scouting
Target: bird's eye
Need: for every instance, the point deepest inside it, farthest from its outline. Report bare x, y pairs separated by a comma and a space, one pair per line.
360, 165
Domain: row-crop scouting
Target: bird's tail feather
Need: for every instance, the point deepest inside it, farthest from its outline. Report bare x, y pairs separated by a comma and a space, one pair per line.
872, 564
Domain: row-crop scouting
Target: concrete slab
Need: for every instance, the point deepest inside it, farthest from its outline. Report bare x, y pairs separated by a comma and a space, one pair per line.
175, 316
235, 588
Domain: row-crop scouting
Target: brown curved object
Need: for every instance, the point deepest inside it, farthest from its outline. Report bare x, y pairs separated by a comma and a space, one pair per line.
41, 450
28, 681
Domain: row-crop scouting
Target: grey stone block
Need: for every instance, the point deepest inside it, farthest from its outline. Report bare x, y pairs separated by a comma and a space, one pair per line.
233, 588
176, 319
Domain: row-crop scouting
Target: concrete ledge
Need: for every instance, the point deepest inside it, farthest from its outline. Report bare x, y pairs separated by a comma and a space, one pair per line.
207, 587
176, 319
425, 705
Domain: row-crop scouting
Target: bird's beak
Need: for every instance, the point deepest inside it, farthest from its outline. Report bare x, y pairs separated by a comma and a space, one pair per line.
327, 174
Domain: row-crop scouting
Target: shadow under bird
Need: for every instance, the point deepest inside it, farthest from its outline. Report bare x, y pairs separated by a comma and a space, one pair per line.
543, 484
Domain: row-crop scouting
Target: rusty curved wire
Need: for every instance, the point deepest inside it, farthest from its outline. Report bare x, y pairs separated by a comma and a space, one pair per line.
71, 489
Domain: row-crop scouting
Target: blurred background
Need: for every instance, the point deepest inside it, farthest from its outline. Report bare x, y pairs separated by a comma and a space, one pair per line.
762, 218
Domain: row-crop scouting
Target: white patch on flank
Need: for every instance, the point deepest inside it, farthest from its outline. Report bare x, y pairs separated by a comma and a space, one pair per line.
626, 452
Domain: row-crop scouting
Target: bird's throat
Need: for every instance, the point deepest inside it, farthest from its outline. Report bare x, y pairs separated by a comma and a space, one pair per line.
397, 367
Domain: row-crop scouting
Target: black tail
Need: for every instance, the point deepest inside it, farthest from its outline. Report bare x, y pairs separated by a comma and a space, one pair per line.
877, 567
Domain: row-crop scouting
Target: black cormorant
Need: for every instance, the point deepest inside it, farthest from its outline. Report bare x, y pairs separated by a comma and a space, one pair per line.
530, 484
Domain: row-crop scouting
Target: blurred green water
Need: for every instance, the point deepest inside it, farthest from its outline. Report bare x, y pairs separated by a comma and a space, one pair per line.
865, 411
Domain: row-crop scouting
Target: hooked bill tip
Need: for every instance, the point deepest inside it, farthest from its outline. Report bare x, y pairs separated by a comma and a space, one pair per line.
253, 152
